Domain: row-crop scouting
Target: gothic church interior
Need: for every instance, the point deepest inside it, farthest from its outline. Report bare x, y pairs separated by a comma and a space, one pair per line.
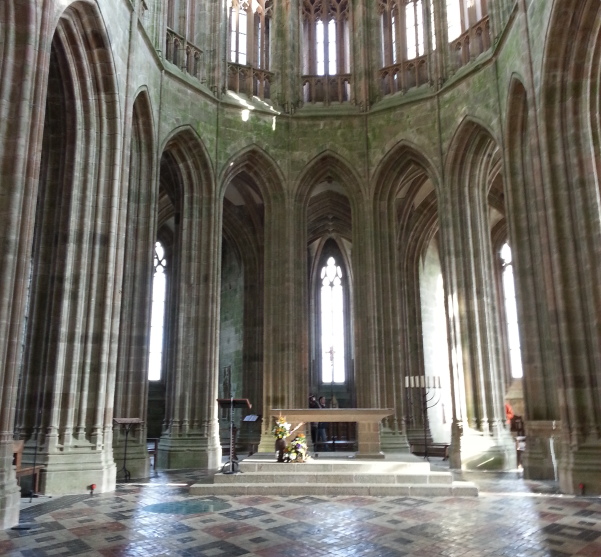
393, 203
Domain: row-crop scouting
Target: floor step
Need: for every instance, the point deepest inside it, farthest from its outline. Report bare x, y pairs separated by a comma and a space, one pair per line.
307, 476
324, 467
455, 489
401, 476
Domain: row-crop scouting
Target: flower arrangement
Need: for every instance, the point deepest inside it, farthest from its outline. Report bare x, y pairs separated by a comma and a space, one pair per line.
296, 451
281, 429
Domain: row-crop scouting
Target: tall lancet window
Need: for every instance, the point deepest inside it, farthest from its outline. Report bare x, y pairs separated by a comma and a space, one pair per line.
326, 50
414, 25
332, 323
463, 14
326, 37
249, 22
159, 289
513, 337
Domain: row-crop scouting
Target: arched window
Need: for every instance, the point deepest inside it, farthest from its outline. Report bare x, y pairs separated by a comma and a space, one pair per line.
407, 36
414, 26
249, 22
326, 51
463, 14
332, 323
159, 289
513, 337
403, 31
326, 37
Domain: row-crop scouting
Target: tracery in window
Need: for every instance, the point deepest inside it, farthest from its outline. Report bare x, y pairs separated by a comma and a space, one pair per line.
159, 288
415, 29
332, 323
249, 22
326, 37
513, 338
463, 14
248, 49
326, 50
403, 32
182, 33
407, 33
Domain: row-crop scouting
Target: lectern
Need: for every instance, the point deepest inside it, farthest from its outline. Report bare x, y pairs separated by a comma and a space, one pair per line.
231, 466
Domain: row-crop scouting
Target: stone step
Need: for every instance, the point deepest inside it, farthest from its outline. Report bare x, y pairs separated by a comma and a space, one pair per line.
454, 489
308, 476
335, 466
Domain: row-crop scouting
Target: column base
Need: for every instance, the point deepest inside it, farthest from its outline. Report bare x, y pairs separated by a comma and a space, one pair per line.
10, 494
542, 450
189, 452
477, 451
393, 441
137, 462
579, 470
75, 471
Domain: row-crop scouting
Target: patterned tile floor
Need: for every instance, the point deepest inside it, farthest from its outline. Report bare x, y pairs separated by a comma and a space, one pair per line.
511, 517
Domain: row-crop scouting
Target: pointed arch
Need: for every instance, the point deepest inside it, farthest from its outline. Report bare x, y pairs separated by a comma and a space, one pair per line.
472, 167
260, 167
190, 154
472, 159
402, 159
251, 186
327, 167
405, 219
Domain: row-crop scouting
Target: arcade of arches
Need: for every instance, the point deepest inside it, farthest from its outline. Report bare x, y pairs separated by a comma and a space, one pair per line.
253, 142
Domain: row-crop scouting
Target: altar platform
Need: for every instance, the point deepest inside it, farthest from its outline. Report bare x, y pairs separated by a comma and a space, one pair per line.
333, 474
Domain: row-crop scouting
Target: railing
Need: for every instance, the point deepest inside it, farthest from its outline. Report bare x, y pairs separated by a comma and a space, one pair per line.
471, 43
327, 89
184, 54
404, 75
248, 80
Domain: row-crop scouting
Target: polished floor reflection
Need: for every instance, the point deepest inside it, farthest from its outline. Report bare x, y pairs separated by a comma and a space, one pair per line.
511, 517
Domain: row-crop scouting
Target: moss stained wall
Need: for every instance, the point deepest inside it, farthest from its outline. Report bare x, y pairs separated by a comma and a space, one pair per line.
231, 323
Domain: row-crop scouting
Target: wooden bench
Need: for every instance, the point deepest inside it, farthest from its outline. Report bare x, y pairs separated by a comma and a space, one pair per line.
434, 449
21, 471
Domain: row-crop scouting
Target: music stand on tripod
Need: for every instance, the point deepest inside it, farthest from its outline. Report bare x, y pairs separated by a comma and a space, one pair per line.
126, 424
231, 466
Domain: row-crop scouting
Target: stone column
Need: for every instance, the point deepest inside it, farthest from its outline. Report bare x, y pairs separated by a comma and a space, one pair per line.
479, 436
67, 389
23, 67
191, 436
286, 55
390, 310
531, 242
131, 388
571, 186
284, 364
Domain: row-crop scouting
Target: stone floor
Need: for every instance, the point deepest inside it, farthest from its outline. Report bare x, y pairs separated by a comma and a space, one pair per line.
511, 517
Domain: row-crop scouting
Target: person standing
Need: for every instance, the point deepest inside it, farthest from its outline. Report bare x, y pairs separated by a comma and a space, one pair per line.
313, 404
322, 434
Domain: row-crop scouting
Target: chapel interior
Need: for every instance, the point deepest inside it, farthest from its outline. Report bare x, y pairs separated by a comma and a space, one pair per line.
394, 204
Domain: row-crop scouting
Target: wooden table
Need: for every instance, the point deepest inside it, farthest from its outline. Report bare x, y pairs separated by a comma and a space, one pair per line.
367, 420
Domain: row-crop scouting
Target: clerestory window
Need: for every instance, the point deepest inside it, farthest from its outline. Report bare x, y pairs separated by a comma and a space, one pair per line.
326, 37
249, 23
463, 14
403, 30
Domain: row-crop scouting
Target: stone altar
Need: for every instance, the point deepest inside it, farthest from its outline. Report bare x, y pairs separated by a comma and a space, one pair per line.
367, 420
